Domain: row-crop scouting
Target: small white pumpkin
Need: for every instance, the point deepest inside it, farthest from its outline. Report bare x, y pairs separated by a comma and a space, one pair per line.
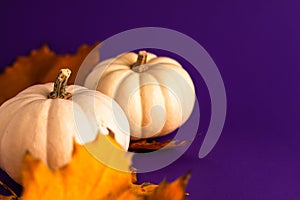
156, 93
45, 123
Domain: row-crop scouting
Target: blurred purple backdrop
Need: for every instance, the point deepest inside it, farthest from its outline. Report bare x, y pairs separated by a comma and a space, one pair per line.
255, 44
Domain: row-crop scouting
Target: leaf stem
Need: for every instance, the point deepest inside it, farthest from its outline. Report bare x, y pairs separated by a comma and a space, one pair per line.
8, 189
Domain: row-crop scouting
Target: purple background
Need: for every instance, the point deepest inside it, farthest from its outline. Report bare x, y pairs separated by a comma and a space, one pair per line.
255, 44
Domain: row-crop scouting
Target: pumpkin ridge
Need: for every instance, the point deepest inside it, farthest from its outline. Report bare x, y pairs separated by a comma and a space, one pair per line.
21, 97
189, 83
111, 73
43, 102
66, 156
116, 70
164, 99
109, 67
116, 91
12, 111
76, 91
117, 83
32, 90
120, 80
8, 127
166, 108
141, 107
47, 127
146, 111
167, 90
77, 136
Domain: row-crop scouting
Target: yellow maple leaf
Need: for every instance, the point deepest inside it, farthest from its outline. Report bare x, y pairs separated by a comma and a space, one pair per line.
86, 177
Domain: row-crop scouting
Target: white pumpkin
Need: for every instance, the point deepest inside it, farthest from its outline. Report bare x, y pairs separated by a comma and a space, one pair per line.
156, 93
46, 125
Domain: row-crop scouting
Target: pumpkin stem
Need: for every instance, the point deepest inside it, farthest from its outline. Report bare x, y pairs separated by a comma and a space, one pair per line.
139, 66
60, 84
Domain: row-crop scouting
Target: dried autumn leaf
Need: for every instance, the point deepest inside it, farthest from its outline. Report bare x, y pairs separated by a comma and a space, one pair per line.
174, 190
40, 66
2, 197
146, 146
165, 190
86, 178
13, 195
153, 144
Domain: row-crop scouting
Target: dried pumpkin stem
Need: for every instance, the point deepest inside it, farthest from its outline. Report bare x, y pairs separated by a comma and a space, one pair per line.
60, 84
139, 66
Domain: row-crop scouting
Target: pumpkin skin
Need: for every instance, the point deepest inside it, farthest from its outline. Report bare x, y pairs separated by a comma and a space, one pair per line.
156, 94
46, 128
